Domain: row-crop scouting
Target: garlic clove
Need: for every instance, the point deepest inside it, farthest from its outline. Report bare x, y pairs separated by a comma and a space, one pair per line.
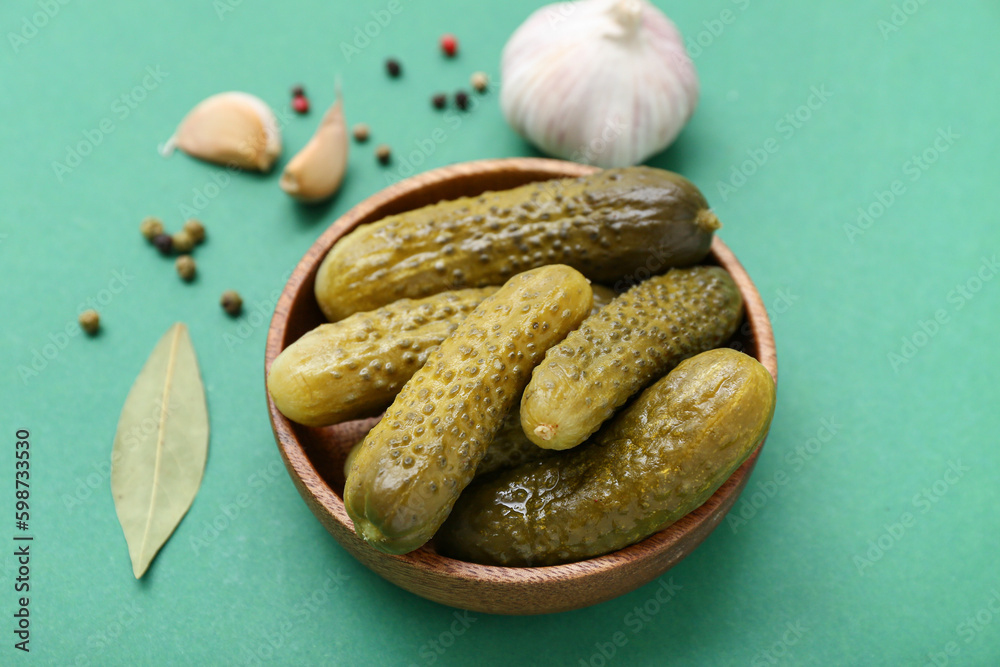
605, 82
235, 129
316, 171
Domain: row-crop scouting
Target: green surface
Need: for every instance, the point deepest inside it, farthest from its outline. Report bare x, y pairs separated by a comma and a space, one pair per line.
840, 307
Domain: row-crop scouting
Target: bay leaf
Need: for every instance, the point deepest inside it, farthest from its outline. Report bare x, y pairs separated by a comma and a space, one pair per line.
160, 447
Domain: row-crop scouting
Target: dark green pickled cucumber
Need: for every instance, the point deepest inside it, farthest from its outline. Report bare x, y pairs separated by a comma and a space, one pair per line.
602, 296
617, 352
510, 447
415, 462
355, 367
660, 459
619, 225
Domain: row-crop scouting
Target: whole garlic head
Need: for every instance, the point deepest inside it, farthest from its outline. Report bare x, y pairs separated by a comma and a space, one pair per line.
605, 82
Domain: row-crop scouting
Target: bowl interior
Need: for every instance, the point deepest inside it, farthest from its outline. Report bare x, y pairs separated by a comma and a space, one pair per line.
315, 456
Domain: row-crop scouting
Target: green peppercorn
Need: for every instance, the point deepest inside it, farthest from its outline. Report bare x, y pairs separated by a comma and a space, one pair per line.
186, 268
231, 302
151, 228
90, 322
195, 230
163, 243
183, 242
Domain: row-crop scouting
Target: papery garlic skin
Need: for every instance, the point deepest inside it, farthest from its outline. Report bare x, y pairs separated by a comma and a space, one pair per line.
603, 82
234, 128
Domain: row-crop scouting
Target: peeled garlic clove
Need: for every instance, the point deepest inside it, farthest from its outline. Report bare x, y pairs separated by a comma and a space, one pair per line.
605, 82
315, 173
235, 129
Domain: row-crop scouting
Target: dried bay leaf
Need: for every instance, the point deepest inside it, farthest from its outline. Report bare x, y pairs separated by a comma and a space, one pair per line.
160, 447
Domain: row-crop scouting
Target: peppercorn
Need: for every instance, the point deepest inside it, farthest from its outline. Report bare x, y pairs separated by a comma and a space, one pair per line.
90, 322
393, 67
195, 230
462, 100
480, 81
439, 101
383, 153
163, 243
361, 133
449, 44
300, 104
183, 241
151, 227
186, 268
231, 302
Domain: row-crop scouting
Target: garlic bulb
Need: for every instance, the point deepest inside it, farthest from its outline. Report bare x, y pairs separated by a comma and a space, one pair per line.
234, 129
605, 82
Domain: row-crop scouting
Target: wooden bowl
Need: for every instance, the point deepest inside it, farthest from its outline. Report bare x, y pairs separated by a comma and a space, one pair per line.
315, 456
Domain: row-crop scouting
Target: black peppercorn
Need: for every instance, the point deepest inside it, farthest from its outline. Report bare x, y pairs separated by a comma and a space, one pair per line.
439, 101
393, 67
462, 100
164, 243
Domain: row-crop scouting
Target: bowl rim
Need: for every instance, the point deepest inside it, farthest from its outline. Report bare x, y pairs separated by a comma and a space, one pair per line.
425, 559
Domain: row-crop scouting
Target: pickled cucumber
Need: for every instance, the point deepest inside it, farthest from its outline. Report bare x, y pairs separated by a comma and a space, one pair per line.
415, 462
617, 352
355, 367
658, 460
616, 225
510, 448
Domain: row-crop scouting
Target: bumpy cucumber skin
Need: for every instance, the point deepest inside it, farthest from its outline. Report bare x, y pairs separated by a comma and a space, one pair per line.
616, 226
354, 368
415, 462
510, 448
617, 352
660, 459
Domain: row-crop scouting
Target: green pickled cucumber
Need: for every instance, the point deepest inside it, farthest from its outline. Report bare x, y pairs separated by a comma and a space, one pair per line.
635, 340
414, 463
613, 226
354, 368
510, 448
659, 459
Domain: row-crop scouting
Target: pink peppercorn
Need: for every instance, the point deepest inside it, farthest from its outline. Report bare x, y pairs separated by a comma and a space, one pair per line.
449, 44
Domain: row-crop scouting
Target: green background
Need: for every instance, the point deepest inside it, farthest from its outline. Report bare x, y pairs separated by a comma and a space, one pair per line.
819, 572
